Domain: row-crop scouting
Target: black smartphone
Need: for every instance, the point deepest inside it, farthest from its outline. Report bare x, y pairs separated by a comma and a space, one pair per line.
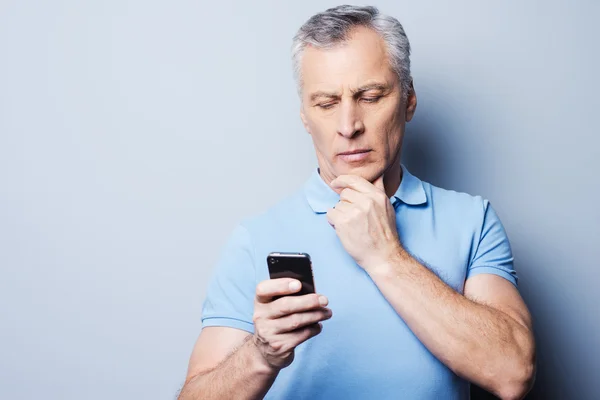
292, 265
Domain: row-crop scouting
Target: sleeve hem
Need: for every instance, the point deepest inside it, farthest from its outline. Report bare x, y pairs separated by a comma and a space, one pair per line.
228, 322
495, 271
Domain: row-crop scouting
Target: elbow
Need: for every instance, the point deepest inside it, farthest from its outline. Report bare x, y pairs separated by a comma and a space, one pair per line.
518, 388
520, 380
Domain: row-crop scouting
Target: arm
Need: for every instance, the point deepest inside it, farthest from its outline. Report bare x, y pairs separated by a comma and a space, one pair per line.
225, 363
231, 363
484, 336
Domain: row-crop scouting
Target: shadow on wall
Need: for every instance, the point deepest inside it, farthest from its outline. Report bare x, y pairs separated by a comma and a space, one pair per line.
423, 155
437, 151
435, 146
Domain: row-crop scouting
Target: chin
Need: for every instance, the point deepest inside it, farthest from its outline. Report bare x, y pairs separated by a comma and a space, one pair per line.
364, 170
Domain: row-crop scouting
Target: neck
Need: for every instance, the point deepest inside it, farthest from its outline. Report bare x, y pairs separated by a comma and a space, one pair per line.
392, 178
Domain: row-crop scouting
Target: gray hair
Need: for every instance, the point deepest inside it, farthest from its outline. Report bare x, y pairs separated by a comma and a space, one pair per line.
331, 27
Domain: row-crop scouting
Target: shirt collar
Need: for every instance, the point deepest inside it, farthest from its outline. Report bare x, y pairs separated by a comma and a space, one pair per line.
321, 197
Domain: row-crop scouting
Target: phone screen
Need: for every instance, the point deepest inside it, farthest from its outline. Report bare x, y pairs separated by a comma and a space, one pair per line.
292, 265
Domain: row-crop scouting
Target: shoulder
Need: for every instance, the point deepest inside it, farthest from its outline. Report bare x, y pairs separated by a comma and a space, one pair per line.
456, 205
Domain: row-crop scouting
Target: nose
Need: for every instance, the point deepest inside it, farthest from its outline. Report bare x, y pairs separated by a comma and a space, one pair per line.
350, 121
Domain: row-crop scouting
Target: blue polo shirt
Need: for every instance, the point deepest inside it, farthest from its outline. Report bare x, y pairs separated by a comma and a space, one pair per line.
365, 350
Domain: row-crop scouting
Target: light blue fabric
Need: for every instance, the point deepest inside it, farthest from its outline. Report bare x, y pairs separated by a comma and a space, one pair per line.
365, 350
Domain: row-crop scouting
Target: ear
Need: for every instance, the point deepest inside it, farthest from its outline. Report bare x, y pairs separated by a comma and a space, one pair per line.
304, 119
411, 102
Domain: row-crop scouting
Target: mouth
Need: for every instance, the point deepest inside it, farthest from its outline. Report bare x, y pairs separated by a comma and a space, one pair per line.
354, 155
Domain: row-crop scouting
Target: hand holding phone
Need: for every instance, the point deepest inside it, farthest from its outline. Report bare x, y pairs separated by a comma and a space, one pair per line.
286, 315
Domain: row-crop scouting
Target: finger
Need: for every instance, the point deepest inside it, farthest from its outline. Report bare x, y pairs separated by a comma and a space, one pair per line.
296, 304
355, 182
297, 321
378, 183
294, 338
266, 290
350, 195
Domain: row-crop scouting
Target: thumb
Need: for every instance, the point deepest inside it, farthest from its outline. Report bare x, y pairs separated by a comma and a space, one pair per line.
378, 183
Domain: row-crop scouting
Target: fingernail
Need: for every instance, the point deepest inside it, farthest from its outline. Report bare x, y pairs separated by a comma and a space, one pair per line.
295, 285
323, 300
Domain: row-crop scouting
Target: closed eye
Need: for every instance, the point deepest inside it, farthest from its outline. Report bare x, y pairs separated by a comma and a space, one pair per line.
326, 106
371, 99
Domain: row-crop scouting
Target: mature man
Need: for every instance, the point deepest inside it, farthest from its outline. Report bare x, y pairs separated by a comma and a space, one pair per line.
419, 279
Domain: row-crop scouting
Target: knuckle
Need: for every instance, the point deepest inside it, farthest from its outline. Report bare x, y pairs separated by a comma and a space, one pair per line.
276, 345
258, 327
284, 305
294, 323
258, 317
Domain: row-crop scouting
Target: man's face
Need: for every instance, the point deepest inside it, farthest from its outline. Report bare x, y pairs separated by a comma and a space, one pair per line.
352, 99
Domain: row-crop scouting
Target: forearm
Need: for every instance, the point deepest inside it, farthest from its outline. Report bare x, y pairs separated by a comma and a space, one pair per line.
478, 342
242, 375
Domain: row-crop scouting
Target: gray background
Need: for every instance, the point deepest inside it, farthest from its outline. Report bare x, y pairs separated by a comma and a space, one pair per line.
135, 134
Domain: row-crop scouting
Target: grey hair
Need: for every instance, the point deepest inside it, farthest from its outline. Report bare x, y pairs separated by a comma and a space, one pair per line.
331, 27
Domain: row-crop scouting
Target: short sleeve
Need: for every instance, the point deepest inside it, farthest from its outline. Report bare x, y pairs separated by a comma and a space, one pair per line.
493, 254
230, 294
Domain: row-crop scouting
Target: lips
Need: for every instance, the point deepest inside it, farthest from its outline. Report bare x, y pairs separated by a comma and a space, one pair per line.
354, 155
354, 152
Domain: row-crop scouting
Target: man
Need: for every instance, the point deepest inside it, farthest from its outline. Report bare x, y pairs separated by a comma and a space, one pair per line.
419, 279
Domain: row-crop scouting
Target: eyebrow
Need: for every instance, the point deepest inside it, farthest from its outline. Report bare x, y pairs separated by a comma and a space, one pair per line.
372, 86
362, 89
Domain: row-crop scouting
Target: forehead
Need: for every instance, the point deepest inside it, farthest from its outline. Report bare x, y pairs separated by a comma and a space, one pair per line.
359, 60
